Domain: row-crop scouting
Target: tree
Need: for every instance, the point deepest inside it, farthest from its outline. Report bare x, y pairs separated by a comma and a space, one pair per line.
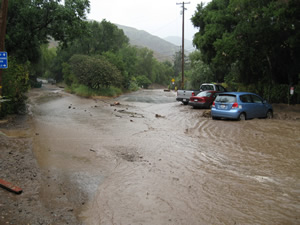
199, 72
258, 38
32, 23
177, 64
145, 63
15, 84
91, 43
43, 66
99, 38
143, 81
95, 72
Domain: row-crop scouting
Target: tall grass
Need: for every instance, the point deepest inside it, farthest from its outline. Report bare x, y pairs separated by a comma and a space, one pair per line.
84, 91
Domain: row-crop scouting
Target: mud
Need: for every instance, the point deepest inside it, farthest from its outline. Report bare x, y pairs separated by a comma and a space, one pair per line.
147, 160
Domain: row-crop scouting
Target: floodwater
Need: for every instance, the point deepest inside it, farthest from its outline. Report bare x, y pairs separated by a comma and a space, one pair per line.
151, 160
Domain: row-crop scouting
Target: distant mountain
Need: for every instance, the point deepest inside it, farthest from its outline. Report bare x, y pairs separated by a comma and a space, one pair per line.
163, 50
188, 45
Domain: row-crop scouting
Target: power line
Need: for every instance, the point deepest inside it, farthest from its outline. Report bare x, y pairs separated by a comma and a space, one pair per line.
182, 66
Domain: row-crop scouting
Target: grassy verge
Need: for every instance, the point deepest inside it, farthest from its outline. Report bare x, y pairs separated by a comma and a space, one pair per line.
84, 91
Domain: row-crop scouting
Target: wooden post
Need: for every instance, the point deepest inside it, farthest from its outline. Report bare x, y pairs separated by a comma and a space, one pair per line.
3, 16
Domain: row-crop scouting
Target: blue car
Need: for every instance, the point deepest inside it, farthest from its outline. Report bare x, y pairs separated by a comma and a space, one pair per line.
240, 106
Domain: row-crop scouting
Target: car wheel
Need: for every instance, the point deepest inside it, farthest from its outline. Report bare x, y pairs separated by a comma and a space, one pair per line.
269, 115
185, 103
242, 116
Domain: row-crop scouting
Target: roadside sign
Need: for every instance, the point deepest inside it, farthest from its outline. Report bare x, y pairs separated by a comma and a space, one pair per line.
3, 60
292, 90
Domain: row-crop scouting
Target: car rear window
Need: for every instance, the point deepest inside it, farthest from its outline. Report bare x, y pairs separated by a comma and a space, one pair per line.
204, 94
220, 88
207, 87
226, 98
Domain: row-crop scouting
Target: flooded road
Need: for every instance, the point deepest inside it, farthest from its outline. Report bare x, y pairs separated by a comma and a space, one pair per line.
151, 160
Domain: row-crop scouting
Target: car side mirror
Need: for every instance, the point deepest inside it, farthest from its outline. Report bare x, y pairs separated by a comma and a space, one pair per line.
265, 101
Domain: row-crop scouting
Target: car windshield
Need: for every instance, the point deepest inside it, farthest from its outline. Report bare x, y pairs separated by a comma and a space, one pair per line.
204, 94
226, 98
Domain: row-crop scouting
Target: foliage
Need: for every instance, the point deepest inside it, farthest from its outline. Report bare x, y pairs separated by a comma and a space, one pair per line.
110, 91
143, 81
99, 38
90, 43
68, 75
43, 66
15, 84
258, 39
177, 63
133, 86
31, 23
95, 72
84, 91
199, 72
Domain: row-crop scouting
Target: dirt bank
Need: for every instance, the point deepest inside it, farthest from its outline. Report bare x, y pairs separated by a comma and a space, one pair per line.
19, 166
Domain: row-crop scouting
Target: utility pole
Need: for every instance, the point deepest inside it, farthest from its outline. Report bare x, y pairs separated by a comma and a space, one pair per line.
182, 49
3, 16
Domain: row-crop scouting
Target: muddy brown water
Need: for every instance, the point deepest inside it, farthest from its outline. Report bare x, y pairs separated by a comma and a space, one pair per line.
151, 160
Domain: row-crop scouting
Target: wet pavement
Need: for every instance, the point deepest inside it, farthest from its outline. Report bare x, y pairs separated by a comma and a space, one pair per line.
151, 160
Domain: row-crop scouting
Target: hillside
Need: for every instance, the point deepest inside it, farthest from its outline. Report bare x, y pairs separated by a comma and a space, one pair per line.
188, 45
163, 50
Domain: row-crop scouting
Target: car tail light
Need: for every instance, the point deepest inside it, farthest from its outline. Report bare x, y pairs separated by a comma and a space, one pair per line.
235, 105
213, 105
193, 93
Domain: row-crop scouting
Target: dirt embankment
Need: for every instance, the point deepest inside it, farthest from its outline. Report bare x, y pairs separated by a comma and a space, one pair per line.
19, 166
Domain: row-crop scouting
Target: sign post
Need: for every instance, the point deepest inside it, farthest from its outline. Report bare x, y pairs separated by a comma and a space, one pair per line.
3, 60
292, 90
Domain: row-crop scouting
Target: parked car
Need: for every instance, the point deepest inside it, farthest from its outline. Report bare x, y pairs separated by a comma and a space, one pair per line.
240, 106
203, 100
185, 95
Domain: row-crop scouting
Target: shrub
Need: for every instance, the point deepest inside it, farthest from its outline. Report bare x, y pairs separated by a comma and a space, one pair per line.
143, 81
15, 82
95, 72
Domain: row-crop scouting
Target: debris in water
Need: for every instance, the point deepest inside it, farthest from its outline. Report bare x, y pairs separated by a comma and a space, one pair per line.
159, 116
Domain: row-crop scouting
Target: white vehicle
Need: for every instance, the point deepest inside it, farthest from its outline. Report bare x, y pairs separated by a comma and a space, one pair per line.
184, 95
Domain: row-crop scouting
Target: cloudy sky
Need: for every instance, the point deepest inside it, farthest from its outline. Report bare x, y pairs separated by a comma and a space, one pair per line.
162, 18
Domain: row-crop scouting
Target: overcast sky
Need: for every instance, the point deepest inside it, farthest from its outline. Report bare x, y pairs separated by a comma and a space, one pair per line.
162, 18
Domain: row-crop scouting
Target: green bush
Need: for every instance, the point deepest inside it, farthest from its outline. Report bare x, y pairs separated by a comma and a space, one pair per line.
95, 72
274, 93
15, 83
143, 81
133, 86
84, 91
110, 91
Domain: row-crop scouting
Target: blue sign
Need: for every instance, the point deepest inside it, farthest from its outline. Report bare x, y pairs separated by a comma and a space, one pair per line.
3, 60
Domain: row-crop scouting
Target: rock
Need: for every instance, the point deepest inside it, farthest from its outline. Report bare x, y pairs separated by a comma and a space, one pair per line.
115, 103
206, 113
